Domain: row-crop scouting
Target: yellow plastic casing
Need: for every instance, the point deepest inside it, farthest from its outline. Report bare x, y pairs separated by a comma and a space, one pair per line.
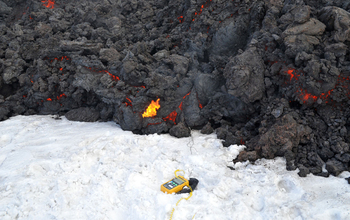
175, 188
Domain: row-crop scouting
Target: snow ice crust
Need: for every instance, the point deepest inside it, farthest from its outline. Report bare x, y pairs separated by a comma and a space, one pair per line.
59, 169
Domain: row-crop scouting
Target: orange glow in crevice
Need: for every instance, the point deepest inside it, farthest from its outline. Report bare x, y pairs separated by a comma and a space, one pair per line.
180, 106
151, 110
59, 58
128, 103
305, 96
205, 5
292, 73
171, 117
242, 141
139, 86
199, 103
114, 78
60, 96
48, 3
186, 95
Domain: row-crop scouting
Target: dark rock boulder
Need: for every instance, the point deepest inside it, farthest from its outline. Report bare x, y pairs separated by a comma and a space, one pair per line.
180, 130
281, 137
230, 38
337, 20
335, 167
4, 9
83, 114
207, 129
245, 76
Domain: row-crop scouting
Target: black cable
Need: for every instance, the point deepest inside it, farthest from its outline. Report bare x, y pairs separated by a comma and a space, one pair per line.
193, 182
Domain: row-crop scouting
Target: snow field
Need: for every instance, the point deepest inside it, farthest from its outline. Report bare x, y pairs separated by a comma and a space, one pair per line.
58, 169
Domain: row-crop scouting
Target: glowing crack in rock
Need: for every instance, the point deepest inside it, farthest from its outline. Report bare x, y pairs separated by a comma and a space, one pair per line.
49, 3
151, 110
171, 117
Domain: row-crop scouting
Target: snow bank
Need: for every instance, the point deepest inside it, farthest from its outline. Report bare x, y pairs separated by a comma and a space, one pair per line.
58, 169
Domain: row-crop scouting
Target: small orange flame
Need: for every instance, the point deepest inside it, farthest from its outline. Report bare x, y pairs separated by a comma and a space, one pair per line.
151, 110
48, 3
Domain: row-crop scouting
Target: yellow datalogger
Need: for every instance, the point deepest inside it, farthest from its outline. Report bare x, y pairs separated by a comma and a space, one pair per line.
175, 185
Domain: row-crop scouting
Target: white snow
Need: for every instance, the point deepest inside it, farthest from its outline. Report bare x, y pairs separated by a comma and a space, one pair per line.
58, 169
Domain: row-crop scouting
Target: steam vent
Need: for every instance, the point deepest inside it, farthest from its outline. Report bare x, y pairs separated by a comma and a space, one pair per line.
270, 74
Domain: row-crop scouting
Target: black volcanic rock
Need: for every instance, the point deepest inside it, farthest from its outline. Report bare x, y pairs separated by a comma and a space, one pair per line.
271, 75
83, 114
245, 76
180, 130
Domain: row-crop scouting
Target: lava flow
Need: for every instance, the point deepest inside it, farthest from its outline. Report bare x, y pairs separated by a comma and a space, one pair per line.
48, 3
172, 116
127, 103
151, 110
292, 73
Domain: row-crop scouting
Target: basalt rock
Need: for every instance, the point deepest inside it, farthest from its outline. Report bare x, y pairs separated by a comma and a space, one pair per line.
83, 114
270, 75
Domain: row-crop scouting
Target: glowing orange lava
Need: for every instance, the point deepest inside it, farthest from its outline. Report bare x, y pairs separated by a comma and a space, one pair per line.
292, 73
181, 19
48, 3
186, 95
60, 96
114, 78
172, 116
59, 58
151, 110
180, 106
126, 103
205, 5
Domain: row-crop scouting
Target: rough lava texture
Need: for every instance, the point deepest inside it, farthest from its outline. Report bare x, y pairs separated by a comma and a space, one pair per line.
273, 75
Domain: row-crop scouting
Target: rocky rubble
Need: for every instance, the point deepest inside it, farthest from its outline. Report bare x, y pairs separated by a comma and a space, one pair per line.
272, 75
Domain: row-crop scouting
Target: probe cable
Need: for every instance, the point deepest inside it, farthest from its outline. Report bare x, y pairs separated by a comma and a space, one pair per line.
172, 212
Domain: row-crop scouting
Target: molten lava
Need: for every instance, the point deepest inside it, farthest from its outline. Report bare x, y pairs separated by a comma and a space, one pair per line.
151, 110
292, 73
186, 95
48, 3
180, 106
127, 103
60, 96
172, 116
